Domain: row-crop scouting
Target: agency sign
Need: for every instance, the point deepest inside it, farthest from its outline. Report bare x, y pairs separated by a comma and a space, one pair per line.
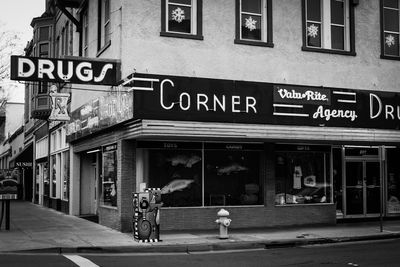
64, 70
200, 99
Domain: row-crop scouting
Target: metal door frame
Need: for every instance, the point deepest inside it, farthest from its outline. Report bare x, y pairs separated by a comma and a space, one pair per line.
364, 161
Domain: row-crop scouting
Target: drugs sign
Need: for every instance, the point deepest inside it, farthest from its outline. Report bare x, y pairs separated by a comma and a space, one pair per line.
64, 70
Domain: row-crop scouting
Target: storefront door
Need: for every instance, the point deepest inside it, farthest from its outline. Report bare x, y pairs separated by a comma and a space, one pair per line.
362, 188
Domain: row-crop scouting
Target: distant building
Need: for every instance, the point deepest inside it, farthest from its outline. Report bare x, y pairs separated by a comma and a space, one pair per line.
13, 119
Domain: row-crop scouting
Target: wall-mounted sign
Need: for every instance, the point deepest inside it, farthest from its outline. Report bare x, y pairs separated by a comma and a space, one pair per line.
100, 113
110, 148
213, 100
59, 107
64, 70
24, 164
301, 95
9, 181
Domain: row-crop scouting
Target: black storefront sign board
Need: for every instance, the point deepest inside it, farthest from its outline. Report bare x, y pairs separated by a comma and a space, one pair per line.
72, 70
215, 100
198, 145
168, 145
362, 151
109, 148
302, 148
233, 146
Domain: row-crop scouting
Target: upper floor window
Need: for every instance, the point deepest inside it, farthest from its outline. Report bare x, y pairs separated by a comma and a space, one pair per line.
43, 41
66, 39
104, 38
328, 26
44, 34
62, 42
85, 31
44, 50
182, 18
57, 47
254, 22
390, 29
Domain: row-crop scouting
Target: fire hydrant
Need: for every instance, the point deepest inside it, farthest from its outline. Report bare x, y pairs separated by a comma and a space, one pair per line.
224, 223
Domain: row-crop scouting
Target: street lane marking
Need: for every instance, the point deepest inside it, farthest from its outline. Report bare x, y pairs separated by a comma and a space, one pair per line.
80, 261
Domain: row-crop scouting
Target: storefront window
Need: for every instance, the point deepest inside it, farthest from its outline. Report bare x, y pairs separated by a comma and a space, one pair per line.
232, 178
53, 176
302, 176
337, 179
178, 174
65, 186
46, 179
37, 179
195, 175
393, 181
109, 194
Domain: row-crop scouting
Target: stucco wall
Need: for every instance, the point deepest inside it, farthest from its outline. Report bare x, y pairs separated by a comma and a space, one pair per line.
144, 50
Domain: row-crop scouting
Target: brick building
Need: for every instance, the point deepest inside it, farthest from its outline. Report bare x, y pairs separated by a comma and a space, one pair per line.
283, 112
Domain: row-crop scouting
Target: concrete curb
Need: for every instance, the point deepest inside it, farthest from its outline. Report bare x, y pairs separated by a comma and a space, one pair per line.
208, 247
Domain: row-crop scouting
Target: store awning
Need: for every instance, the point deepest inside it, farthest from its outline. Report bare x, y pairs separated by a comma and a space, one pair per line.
287, 133
24, 159
239, 132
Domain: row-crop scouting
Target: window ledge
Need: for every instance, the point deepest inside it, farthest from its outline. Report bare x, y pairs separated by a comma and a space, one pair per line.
255, 43
304, 204
328, 51
108, 207
104, 48
182, 35
390, 57
213, 207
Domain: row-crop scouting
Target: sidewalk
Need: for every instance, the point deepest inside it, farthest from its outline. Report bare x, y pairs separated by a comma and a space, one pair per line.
38, 229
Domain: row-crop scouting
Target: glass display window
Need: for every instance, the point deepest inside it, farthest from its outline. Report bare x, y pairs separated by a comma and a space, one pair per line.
232, 178
53, 174
109, 179
393, 181
179, 175
46, 179
65, 175
203, 174
302, 176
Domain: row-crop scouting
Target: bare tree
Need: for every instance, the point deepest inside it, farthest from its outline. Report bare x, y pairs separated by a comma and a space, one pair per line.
10, 43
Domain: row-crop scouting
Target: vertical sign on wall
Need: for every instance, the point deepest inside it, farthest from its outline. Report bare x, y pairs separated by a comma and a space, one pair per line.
59, 105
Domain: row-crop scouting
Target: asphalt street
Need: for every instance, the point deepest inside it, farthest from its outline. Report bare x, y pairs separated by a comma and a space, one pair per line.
371, 253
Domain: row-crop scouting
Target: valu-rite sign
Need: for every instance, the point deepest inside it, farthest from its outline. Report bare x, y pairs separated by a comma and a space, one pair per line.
64, 70
215, 100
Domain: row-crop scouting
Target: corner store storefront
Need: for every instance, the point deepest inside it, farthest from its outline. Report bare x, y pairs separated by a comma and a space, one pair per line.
271, 154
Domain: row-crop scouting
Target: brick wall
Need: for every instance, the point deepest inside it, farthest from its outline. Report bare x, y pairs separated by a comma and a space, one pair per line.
109, 217
244, 217
126, 176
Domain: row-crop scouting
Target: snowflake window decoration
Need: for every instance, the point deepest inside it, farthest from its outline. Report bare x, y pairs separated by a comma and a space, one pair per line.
178, 14
251, 23
390, 40
312, 31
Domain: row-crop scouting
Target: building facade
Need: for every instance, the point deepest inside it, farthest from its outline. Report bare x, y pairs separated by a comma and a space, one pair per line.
284, 112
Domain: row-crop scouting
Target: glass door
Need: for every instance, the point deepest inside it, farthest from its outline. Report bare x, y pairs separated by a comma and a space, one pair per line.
363, 188
372, 187
354, 188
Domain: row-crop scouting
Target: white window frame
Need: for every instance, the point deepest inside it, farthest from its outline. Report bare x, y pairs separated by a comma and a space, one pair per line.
193, 14
390, 32
326, 24
104, 38
62, 174
264, 21
85, 31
